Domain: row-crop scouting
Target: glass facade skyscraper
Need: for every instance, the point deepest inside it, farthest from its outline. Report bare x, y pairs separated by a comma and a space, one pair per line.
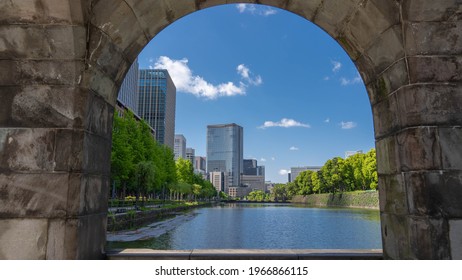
225, 151
128, 93
157, 103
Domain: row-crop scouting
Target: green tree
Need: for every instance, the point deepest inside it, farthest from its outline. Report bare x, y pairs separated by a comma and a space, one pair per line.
122, 160
369, 170
145, 174
257, 195
279, 192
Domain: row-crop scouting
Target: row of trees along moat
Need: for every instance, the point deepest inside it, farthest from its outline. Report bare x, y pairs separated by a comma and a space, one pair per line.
357, 172
141, 167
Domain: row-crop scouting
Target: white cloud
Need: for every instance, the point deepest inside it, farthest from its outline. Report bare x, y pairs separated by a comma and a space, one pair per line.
284, 123
326, 78
263, 159
269, 12
337, 65
293, 148
241, 7
186, 81
327, 120
348, 125
283, 172
256, 10
246, 75
346, 82
273, 158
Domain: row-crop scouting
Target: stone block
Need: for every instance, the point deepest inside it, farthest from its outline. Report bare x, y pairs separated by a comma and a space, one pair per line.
455, 237
388, 82
420, 194
202, 4
435, 69
364, 64
385, 117
387, 156
96, 154
152, 15
27, 149
433, 38
431, 10
104, 54
383, 57
101, 84
69, 150
87, 194
332, 15
43, 12
434, 193
43, 106
429, 238
429, 105
98, 116
116, 19
392, 194
90, 236
33, 195
51, 72
419, 149
7, 94
53, 42
395, 236
23, 239
370, 21
56, 239
10, 77
451, 148
306, 9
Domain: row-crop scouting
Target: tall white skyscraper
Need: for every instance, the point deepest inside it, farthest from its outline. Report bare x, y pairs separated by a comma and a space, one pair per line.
179, 148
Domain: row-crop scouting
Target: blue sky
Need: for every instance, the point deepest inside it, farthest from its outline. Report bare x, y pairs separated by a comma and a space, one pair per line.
291, 87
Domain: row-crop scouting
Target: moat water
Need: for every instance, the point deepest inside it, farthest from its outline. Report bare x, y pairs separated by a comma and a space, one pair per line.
259, 226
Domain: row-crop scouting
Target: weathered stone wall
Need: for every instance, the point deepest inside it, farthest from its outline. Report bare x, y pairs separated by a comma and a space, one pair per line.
55, 135
358, 199
62, 62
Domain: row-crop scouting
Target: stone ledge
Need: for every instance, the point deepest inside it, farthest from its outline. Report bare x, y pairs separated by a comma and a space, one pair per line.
245, 254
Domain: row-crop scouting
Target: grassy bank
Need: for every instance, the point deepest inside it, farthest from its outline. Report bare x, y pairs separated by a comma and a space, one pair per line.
357, 199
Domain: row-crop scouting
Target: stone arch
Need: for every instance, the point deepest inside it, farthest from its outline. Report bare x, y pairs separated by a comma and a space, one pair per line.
62, 62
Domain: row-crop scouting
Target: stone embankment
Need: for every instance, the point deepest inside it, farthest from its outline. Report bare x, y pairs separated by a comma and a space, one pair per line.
136, 219
358, 199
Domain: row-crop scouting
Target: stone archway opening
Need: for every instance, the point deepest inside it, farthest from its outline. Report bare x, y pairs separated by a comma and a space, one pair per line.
66, 60
185, 48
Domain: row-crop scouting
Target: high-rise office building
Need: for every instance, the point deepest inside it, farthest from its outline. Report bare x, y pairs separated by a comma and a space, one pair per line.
128, 93
190, 154
352, 153
157, 103
219, 180
254, 176
294, 171
225, 151
200, 164
179, 148
250, 167
127, 97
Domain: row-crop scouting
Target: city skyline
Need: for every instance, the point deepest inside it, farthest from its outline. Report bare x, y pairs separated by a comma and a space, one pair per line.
291, 86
